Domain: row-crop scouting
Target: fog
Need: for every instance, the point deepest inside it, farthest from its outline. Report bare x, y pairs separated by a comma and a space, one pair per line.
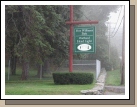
115, 27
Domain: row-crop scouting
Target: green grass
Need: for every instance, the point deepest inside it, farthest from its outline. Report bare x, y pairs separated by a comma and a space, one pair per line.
45, 86
113, 78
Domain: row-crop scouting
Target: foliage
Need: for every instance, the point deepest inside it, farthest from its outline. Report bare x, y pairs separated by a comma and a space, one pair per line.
37, 33
73, 78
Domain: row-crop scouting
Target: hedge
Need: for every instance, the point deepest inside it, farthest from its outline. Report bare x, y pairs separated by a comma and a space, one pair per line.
73, 78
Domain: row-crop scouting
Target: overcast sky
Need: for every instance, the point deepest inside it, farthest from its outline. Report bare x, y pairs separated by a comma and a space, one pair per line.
114, 19
118, 36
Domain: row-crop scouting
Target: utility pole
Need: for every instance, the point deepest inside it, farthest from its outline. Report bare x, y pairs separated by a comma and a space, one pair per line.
109, 41
109, 36
123, 52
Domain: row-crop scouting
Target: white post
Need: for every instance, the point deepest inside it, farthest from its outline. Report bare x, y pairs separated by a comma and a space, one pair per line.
9, 71
98, 68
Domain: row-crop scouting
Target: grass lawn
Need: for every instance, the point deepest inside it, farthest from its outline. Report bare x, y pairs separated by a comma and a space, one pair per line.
45, 86
113, 78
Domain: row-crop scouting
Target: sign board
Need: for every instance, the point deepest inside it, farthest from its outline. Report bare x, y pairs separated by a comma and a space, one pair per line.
84, 40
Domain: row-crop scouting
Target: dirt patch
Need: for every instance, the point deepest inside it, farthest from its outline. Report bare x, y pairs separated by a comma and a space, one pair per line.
112, 93
114, 90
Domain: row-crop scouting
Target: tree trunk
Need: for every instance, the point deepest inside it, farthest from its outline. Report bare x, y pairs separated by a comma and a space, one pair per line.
13, 65
123, 75
25, 70
39, 69
45, 69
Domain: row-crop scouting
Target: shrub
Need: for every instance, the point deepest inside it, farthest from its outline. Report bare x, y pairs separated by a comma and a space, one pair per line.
73, 78
108, 67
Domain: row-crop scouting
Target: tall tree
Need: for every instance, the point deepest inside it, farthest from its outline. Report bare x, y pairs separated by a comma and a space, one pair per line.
11, 36
40, 33
26, 24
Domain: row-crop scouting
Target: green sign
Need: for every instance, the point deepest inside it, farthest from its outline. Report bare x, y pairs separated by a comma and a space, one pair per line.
84, 40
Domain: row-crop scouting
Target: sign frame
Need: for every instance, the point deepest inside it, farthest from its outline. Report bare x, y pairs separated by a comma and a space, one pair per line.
92, 35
